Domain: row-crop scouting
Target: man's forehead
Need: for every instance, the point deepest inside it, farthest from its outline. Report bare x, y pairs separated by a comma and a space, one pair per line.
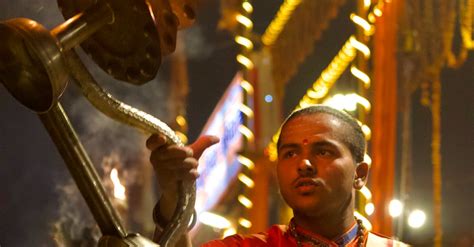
314, 121
313, 124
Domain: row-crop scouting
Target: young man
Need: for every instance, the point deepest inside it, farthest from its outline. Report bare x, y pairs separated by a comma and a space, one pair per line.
320, 165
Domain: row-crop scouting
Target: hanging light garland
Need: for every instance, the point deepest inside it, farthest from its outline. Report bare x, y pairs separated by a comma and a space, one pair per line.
246, 44
365, 29
279, 22
242, 38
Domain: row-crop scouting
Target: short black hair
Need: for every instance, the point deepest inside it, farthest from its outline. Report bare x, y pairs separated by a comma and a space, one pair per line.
354, 138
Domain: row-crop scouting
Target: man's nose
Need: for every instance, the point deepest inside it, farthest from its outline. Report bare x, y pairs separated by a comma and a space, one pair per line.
305, 168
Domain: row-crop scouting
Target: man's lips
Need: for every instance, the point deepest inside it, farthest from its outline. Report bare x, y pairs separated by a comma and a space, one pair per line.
305, 181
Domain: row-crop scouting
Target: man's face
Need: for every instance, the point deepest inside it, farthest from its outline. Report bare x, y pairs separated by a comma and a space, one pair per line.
315, 168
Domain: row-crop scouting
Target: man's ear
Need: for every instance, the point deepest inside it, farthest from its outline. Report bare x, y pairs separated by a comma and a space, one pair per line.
362, 172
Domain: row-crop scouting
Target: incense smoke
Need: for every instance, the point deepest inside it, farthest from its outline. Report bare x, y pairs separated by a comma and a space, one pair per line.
197, 47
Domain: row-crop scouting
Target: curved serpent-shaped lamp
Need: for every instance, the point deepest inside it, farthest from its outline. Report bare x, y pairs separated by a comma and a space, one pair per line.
127, 39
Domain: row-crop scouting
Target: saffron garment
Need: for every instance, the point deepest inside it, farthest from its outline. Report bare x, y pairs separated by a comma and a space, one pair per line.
280, 236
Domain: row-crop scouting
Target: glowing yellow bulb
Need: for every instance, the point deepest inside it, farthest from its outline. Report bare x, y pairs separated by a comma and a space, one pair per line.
367, 159
229, 232
245, 223
365, 222
360, 100
377, 12
182, 137
371, 18
364, 24
366, 193
246, 110
304, 104
244, 42
367, 3
181, 120
247, 133
246, 180
367, 132
247, 7
246, 162
360, 47
244, 21
245, 201
359, 74
247, 87
369, 208
245, 61
416, 219
272, 151
395, 208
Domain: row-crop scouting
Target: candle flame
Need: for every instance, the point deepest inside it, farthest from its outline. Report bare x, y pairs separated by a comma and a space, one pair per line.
119, 189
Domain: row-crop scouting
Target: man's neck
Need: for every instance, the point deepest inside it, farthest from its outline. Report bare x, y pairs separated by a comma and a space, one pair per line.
328, 226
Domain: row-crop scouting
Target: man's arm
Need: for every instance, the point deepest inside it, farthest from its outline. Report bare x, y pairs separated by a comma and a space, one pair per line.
166, 208
172, 164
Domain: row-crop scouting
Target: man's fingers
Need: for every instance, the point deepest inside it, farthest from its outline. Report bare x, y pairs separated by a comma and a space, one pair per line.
155, 141
193, 174
173, 152
178, 174
185, 165
202, 143
175, 164
185, 174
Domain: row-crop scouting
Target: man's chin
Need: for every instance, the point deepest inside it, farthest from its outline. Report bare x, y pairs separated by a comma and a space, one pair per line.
308, 208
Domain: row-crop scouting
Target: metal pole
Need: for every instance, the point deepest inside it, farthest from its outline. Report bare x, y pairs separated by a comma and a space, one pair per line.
80, 27
82, 170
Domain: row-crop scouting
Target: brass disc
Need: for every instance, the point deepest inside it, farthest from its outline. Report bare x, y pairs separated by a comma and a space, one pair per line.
129, 48
32, 68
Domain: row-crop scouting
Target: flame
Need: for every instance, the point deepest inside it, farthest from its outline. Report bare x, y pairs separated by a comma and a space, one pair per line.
119, 189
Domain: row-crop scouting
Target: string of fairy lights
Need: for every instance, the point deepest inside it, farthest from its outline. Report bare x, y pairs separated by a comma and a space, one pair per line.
278, 23
243, 39
358, 69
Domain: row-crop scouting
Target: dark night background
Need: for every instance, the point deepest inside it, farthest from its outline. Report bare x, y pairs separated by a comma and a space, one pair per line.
31, 169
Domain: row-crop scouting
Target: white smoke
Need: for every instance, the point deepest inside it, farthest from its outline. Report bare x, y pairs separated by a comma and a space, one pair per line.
197, 47
75, 225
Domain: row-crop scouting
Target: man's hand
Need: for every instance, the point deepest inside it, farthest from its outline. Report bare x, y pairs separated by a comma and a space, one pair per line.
173, 163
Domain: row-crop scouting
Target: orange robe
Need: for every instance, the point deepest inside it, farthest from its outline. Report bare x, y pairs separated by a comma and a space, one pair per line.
279, 236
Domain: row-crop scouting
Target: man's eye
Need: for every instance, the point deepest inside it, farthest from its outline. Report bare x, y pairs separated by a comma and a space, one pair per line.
289, 154
323, 152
